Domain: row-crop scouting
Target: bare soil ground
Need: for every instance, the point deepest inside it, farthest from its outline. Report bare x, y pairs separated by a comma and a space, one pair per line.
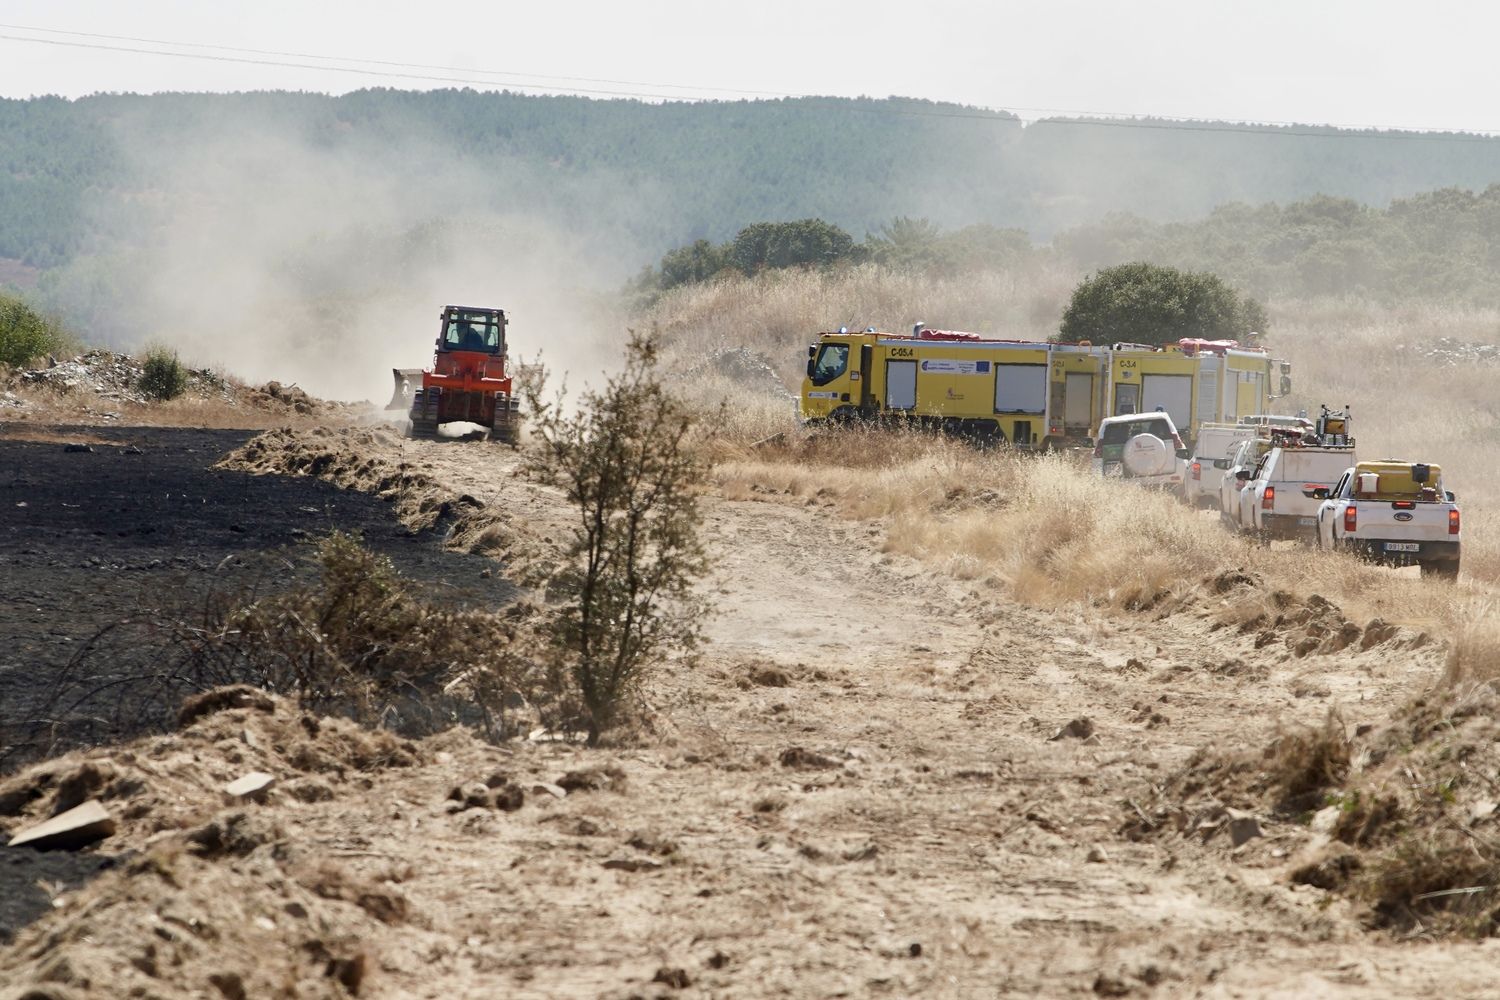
879, 782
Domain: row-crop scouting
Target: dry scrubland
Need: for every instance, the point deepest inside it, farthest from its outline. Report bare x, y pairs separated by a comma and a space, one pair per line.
970, 723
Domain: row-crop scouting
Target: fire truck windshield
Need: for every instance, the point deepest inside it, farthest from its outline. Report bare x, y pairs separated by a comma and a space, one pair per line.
833, 359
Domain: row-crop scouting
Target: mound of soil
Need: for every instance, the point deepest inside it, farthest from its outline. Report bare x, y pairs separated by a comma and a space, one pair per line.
351, 459
197, 893
1402, 819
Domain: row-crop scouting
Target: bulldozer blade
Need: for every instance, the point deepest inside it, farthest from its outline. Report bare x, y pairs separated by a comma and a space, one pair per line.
407, 379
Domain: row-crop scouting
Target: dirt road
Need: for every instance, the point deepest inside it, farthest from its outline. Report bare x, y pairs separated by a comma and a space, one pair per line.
878, 782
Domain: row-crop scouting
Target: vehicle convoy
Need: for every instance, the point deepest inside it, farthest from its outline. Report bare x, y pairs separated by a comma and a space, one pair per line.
1216, 441
1031, 394
1397, 513
1282, 493
1246, 454
470, 379
1144, 448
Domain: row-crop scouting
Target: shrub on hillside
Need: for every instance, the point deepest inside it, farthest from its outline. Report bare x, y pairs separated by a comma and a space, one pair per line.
162, 376
25, 334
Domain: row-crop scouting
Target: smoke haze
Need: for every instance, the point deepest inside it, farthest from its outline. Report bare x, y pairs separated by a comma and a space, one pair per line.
274, 257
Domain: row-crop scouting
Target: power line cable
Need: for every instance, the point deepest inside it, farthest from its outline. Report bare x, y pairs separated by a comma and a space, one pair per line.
1092, 119
386, 62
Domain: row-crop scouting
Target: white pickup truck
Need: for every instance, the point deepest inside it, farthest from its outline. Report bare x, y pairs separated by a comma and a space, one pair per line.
1395, 513
1282, 494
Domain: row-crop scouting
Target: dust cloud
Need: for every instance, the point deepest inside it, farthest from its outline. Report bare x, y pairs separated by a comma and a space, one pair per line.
274, 256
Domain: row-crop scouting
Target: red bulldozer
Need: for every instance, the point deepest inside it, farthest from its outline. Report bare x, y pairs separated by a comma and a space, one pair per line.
470, 378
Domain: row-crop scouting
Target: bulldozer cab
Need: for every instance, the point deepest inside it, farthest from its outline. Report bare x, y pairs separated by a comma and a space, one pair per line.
468, 329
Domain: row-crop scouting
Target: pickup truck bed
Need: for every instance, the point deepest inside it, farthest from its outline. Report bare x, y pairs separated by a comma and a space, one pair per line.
1391, 513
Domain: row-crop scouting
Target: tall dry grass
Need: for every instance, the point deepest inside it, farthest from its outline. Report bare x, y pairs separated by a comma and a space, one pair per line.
1044, 531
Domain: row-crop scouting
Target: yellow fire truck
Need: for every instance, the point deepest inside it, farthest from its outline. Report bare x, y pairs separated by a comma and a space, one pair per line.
1031, 394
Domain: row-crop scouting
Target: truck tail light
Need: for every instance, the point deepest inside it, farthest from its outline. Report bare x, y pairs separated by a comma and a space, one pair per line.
1268, 499
1197, 470
1351, 518
1453, 522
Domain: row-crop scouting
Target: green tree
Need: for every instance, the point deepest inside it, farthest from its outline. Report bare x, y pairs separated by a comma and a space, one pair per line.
788, 244
623, 459
698, 261
26, 334
1150, 304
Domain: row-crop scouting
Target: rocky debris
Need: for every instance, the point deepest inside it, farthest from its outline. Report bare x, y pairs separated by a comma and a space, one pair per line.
650, 843
222, 699
1243, 827
764, 675
233, 835
676, 979
1331, 871
505, 796
634, 863
1110, 986
607, 778
742, 366
1318, 627
807, 760
253, 786
1080, 728
77, 827
117, 377
1097, 855
1451, 352
287, 396
1376, 632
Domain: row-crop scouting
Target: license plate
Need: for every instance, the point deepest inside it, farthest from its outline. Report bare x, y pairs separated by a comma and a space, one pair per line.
1403, 547
1307, 522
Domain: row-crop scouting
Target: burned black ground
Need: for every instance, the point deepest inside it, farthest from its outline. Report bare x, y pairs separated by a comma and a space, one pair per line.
142, 526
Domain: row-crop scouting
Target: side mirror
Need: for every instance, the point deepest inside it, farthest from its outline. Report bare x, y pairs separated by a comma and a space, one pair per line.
812, 349
1321, 493
1221, 463
809, 367
1286, 385
1451, 496
1243, 475
1184, 453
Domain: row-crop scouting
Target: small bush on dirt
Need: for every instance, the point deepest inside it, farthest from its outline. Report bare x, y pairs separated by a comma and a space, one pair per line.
162, 375
623, 459
26, 334
1304, 762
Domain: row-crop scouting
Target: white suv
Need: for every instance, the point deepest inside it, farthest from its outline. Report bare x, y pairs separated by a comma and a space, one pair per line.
1142, 447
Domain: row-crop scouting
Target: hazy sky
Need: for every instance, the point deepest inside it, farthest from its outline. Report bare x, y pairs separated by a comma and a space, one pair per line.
1372, 62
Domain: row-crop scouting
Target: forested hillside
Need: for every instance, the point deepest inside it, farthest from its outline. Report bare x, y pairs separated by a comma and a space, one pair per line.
705, 170
139, 216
